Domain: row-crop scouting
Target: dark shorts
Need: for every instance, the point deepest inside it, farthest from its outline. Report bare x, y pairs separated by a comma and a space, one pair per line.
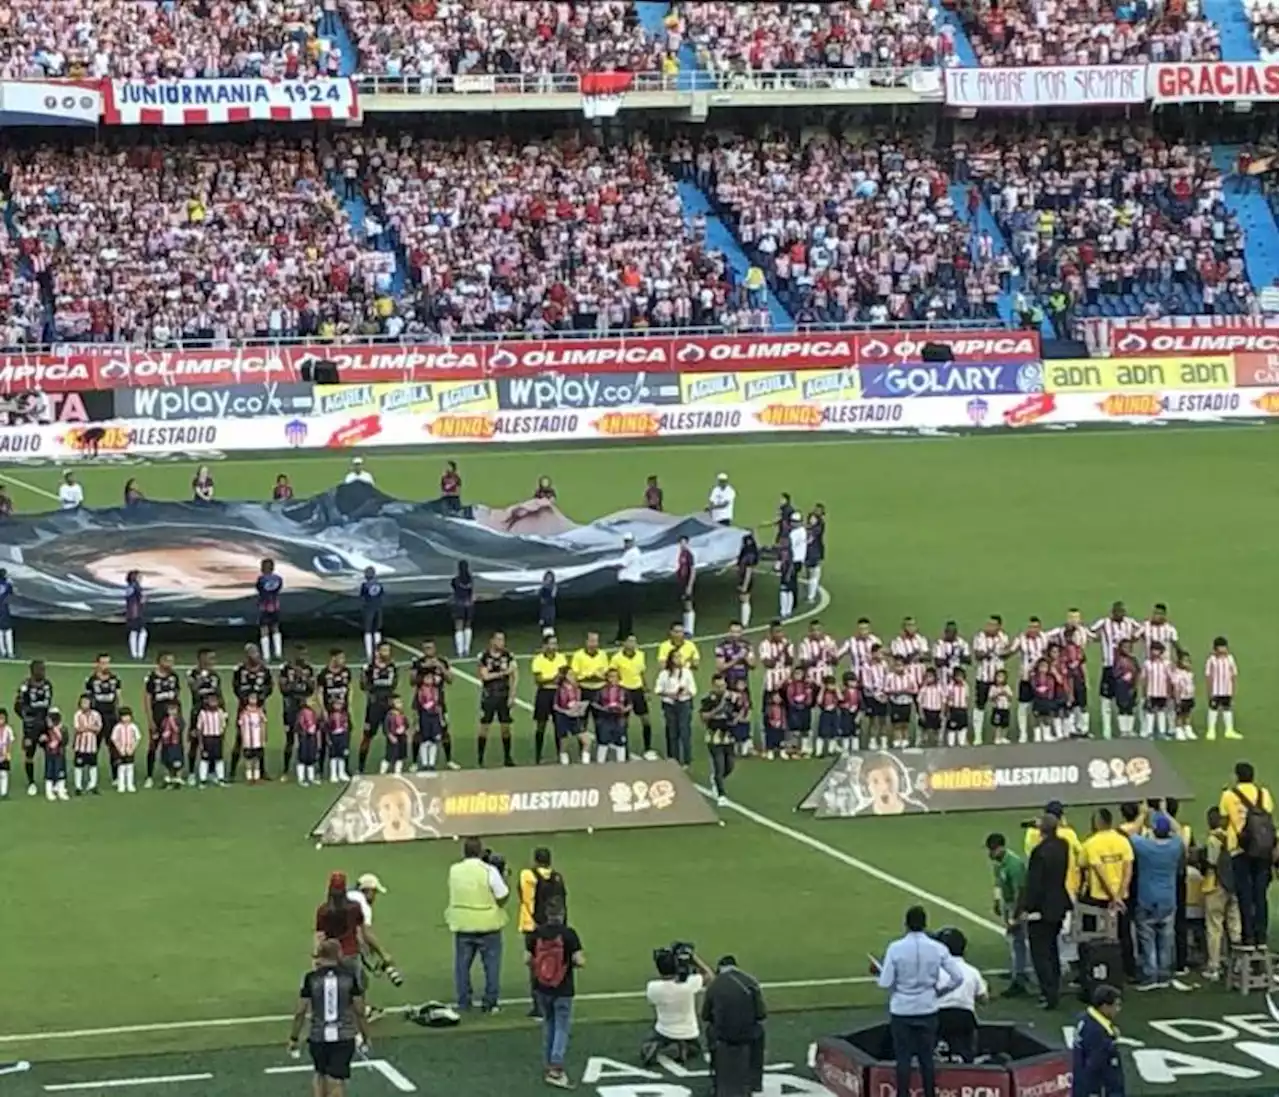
899, 714
397, 749
875, 709
333, 1060
430, 727
1185, 707
171, 755
1025, 693
495, 708
1157, 704
544, 703
462, 615
30, 741
268, 619
4, 765
1045, 706
829, 723
372, 620
339, 745
981, 694
740, 732
848, 721
1079, 693
957, 719
375, 716
930, 719
55, 767
211, 749
999, 717
83, 761
639, 702
1126, 703
253, 754
308, 749
744, 584
1107, 683
799, 719
611, 731
567, 726
1220, 704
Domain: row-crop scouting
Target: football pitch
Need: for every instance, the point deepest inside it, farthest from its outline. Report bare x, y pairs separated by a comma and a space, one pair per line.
156, 941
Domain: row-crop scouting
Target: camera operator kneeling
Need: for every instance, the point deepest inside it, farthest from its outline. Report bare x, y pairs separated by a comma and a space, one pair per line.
682, 975
734, 1013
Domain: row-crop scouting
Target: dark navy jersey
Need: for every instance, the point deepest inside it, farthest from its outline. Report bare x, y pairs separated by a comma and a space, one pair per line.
787, 568
547, 602
297, 682
6, 594
432, 670
371, 591
463, 592
335, 686
257, 680
161, 690
104, 693
748, 556
133, 602
653, 497
380, 679
204, 683
544, 492
500, 663
817, 533
281, 492
269, 588
35, 698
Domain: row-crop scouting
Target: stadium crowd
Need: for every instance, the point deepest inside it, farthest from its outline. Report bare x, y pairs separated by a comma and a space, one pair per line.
1117, 224
142, 38
1265, 17
1064, 32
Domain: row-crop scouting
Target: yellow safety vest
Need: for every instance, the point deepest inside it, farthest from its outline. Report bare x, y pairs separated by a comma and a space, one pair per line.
472, 907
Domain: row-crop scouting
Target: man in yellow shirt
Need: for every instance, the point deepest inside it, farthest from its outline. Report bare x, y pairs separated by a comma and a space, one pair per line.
589, 665
1106, 857
629, 662
546, 668
676, 641
1250, 814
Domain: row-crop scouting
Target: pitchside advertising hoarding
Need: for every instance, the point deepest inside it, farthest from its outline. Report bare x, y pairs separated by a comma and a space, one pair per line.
910, 782
1153, 339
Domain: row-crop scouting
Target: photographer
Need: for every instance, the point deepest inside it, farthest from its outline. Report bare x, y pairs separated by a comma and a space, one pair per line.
539, 885
682, 975
734, 1013
476, 916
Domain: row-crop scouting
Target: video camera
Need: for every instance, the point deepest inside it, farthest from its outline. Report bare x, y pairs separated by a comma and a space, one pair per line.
497, 860
677, 956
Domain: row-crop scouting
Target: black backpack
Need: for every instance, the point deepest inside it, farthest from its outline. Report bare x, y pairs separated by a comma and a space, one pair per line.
549, 887
1258, 834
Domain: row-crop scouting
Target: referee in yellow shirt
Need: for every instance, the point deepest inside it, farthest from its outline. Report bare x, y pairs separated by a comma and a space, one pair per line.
546, 667
1106, 858
678, 642
629, 662
589, 665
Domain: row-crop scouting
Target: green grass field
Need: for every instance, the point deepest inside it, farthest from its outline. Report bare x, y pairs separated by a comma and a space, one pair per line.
168, 932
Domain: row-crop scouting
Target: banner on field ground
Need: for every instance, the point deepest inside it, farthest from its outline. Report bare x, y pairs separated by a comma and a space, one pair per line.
950, 379
50, 102
1046, 86
73, 367
1213, 81
524, 800
1159, 338
201, 560
907, 782
197, 102
1138, 374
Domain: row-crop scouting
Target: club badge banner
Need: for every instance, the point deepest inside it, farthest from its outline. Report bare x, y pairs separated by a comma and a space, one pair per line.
523, 800
199, 561
911, 782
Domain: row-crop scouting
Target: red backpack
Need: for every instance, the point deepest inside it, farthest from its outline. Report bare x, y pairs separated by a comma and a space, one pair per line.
550, 964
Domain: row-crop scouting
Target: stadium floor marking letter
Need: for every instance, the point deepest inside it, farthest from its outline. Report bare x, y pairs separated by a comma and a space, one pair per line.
121, 1083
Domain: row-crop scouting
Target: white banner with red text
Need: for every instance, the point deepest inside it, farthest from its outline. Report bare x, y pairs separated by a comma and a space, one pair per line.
227, 100
365, 429
1214, 82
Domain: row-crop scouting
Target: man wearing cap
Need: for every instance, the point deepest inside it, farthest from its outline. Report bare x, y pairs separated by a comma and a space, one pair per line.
358, 474
1159, 859
630, 572
1096, 1067
721, 501
368, 888
340, 918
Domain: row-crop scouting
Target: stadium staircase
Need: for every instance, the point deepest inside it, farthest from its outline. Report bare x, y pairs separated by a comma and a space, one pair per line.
652, 15
334, 28
1253, 212
964, 48
721, 239
1234, 28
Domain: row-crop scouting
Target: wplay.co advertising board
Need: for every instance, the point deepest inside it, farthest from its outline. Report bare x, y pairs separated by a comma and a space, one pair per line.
524, 800
910, 782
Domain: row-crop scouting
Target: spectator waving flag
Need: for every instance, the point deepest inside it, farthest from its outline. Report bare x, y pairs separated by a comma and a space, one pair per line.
603, 92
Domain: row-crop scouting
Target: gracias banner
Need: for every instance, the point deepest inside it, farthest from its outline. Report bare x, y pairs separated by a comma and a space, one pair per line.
105, 367
226, 100
1214, 82
907, 782
525, 800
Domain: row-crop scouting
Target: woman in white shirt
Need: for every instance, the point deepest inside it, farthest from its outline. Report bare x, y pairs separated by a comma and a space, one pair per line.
677, 689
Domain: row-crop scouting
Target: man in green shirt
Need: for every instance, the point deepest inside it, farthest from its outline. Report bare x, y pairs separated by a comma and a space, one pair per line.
1010, 872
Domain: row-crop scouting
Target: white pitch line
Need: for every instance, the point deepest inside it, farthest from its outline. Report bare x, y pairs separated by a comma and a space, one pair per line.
6, 478
121, 1083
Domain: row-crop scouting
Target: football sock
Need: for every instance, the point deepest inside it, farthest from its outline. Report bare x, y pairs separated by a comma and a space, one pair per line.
457, 643
814, 579
6, 643
93, 777
362, 759
1104, 711
277, 644
4, 782
602, 754
586, 756
193, 750
203, 772
264, 642
1212, 721
219, 770
507, 760
646, 735
447, 743
687, 619
744, 613
466, 640
142, 643
481, 744
1229, 722
539, 742
1148, 725
151, 760
1023, 710
300, 771
369, 646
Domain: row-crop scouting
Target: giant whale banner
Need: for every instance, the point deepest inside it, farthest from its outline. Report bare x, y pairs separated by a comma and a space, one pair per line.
199, 561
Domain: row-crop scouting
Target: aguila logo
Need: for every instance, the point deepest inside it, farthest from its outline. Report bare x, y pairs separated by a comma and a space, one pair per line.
463, 427
629, 424
791, 416
1268, 402
355, 432
1121, 404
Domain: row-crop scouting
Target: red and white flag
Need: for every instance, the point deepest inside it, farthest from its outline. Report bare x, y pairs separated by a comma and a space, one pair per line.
603, 92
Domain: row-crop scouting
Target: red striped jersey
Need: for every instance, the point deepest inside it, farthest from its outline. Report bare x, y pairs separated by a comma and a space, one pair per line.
567, 695
900, 686
613, 699
1110, 632
211, 723
54, 739
874, 676
125, 736
949, 654
819, 655
253, 729
1220, 671
932, 697
859, 649
988, 652
1163, 633
1155, 677
909, 647
916, 673
1066, 634
782, 655
775, 715
958, 695
1000, 697
88, 726
1183, 684
1031, 647
6, 742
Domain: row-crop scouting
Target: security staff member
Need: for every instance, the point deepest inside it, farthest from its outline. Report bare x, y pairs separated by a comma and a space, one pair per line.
1046, 903
331, 996
476, 917
734, 1013
537, 885
1096, 1067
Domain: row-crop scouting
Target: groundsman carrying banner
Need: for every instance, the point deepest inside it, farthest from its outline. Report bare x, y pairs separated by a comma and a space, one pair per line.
525, 800
907, 782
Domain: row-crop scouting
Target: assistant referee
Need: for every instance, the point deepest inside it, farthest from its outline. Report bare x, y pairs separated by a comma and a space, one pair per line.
331, 997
